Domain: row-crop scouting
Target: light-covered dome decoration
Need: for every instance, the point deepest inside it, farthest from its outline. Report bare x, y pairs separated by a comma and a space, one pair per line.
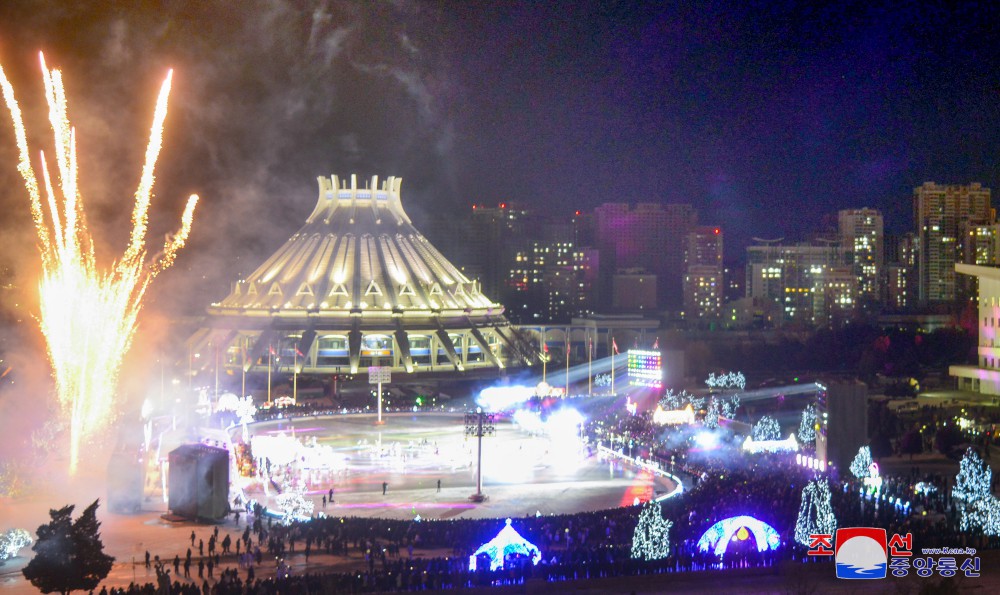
357, 286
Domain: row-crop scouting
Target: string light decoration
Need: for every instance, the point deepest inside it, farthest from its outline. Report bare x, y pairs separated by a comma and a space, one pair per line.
729, 407
862, 463
734, 380
718, 536
982, 515
973, 480
294, 505
12, 541
815, 512
766, 429
651, 539
508, 541
787, 445
807, 427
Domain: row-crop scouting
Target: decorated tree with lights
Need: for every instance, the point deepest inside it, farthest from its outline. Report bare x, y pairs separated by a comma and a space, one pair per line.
651, 539
807, 427
12, 541
815, 512
973, 480
766, 428
712, 414
982, 515
862, 463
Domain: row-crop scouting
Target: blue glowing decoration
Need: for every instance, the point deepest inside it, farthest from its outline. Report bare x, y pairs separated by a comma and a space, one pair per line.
508, 541
645, 368
719, 535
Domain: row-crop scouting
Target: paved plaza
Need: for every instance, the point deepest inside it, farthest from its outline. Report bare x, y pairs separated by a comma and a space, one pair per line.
523, 475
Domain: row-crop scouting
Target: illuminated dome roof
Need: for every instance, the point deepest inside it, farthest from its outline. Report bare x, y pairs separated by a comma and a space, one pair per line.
357, 251
355, 286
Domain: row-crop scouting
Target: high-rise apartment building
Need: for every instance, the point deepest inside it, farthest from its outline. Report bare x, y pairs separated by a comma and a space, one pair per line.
703, 277
862, 233
650, 237
812, 283
944, 215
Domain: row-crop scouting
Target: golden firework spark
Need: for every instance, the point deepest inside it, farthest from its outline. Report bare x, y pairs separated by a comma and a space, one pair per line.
87, 313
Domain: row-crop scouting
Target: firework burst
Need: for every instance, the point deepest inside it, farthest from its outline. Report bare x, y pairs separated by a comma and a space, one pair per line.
87, 313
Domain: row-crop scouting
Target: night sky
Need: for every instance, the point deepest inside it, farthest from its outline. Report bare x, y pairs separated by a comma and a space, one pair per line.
767, 117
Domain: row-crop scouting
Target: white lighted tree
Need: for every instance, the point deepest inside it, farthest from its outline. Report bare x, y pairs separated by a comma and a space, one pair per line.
651, 539
862, 462
807, 427
815, 512
293, 504
712, 414
973, 480
12, 541
982, 515
766, 429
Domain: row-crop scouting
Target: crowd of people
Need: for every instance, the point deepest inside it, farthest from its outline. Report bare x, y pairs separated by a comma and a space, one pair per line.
377, 555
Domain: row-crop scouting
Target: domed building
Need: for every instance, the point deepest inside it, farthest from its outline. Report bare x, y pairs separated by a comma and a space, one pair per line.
359, 286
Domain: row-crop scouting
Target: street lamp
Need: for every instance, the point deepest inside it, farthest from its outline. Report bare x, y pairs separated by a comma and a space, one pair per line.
479, 424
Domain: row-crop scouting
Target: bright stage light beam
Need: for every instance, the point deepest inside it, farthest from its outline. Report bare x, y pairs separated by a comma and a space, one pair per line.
88, 314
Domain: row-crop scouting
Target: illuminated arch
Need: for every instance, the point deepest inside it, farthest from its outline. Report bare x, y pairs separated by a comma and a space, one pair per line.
719, 535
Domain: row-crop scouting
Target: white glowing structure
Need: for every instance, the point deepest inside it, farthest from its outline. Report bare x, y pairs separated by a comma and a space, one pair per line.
13, 541
711, 419
507, 542
807, 425
815, 512
862, 462
734, 380
757, 446
651, 538
294, 505
740, 528
982, 515
227, 402
504, 398
974, 479
674, 417
766, 429
356, 282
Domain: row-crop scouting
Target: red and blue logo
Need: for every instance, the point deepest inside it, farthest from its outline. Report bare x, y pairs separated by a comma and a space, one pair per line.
861, 553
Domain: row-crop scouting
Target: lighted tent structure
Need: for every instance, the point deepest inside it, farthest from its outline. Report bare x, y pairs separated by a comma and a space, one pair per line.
718, 536
508, 541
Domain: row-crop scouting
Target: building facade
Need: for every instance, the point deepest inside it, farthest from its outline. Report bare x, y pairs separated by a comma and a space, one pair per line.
359, 286
862, 232
704, 283
944, 215
984, 377
812, 284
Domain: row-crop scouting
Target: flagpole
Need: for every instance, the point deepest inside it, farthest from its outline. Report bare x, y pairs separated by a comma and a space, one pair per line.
295, 377
545, 356
590, 362
270, 354
613, 365
243, 366
568, 339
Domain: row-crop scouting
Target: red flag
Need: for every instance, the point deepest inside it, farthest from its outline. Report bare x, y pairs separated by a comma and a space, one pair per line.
545, 347
299, 353
614, 345
271, 349
656, 343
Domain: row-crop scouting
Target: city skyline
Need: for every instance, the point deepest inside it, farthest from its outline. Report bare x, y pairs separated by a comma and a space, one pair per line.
743, 113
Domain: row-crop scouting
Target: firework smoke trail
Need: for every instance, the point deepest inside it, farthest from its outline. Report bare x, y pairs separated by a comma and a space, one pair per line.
87, 314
